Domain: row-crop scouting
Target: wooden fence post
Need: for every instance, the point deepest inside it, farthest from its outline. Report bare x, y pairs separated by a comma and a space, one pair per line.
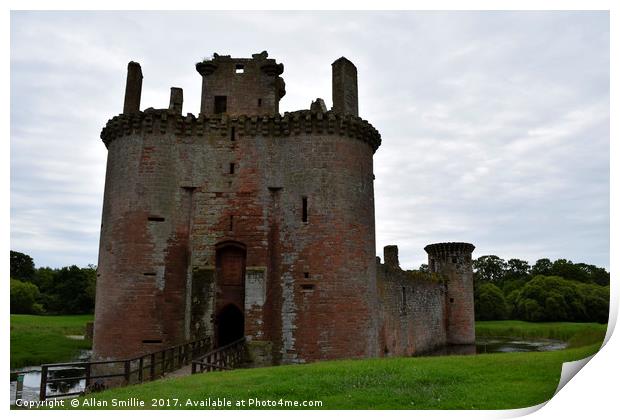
127, 371
87, 374
43, 389
140, 368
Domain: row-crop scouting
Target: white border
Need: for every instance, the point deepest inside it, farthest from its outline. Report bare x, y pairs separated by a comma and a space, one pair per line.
592, 394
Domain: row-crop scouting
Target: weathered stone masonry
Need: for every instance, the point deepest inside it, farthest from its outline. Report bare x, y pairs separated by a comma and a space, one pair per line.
245, 222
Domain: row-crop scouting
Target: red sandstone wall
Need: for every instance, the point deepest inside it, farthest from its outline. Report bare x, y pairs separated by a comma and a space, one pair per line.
142, 263
331, 313
179, 169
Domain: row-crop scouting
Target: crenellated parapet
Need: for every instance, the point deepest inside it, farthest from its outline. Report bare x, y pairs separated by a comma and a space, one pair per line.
165, 121
446, 249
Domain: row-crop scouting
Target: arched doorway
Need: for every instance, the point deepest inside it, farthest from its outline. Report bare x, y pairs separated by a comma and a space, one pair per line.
230, 298
229, 325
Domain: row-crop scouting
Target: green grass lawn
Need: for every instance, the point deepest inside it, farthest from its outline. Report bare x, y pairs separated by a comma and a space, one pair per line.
42, 339
577, 334
487, 381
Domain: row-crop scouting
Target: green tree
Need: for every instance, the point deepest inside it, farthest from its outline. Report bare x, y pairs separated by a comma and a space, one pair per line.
489, 268
542, 267
568, 270
24, 298
44, 278
489, 303
517, 269
22, 266
553, 298
596, 302
72, 291
511, 303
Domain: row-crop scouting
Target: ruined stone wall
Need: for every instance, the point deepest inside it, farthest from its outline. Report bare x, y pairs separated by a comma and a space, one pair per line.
251, 86
412, 310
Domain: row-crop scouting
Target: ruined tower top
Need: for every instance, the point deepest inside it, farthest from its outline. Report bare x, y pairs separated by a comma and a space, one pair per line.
237, 86
133, 88
344, 87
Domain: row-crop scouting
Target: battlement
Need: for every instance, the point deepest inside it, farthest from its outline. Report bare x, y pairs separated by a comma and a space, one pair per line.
446, 249
291, 123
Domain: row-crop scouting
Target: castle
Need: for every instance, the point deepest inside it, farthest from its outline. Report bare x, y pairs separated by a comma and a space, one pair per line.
245, 222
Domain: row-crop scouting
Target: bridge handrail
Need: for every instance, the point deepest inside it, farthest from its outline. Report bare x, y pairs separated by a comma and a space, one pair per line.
185, 353
222, 358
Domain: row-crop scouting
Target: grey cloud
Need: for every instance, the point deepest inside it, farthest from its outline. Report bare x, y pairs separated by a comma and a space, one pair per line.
495, 125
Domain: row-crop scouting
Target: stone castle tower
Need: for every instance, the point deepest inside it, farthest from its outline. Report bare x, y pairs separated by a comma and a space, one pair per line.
453, 260
244, 222
239, 221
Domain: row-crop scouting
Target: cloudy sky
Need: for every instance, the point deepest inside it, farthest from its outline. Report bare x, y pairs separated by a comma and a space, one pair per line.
495, 125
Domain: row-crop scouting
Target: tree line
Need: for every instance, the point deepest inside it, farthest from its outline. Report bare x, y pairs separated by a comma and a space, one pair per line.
557, 290
546, 291
44, 290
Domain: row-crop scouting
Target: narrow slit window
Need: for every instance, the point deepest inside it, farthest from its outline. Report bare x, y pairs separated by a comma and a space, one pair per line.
150, 274
151, 341
232, 133
306, 275
230, 223
239, 69
404, 292
156, 219
260, 102
232, 168
304, 209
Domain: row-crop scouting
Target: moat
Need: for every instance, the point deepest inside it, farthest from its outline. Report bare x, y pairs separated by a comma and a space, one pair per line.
500, 345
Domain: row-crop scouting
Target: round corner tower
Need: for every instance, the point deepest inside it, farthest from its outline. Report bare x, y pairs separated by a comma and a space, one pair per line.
453, 260
240, 222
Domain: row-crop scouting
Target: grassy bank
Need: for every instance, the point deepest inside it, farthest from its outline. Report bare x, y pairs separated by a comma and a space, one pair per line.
487, 381
577, 334
42, 339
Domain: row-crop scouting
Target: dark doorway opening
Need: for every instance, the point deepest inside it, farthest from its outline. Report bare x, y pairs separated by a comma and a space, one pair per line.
229, 325
230, 292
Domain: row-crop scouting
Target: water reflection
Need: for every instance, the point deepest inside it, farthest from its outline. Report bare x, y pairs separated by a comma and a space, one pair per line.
32, 380
511, 345
499, 345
